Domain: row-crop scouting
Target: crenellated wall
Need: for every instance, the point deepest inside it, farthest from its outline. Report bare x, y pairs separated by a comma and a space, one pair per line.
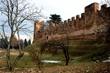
85, 24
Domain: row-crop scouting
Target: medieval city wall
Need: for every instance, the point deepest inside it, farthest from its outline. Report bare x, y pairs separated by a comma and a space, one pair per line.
82, 26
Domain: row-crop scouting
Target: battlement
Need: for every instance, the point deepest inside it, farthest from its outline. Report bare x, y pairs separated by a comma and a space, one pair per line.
82, 15
91, 12
93, 8
73, 18
77, 17
104, 6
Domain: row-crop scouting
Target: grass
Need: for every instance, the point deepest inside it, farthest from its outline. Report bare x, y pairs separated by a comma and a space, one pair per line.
25, 62
80, 51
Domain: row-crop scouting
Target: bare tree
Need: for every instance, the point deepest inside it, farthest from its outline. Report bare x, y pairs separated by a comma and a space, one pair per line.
15, 13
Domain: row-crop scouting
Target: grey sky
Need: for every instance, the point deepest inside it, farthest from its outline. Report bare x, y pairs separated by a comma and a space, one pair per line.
65, 8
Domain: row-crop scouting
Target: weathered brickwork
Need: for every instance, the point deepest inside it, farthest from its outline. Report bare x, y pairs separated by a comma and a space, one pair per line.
82, 26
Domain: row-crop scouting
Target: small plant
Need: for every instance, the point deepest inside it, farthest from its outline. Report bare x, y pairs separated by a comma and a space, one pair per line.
34, 51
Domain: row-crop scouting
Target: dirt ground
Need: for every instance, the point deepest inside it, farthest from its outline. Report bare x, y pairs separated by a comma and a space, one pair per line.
77, 68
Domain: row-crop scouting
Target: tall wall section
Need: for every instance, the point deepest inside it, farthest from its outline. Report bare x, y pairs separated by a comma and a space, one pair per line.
38, 30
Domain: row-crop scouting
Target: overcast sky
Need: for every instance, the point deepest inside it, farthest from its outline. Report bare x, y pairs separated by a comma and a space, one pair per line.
65, 8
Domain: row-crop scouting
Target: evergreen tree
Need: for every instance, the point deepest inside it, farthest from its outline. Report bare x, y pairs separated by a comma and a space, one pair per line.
54, 21
55, 18
25, 43
29, 42
3, 42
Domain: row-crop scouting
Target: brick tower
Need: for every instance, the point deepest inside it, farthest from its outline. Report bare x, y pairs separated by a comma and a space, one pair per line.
38, 27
